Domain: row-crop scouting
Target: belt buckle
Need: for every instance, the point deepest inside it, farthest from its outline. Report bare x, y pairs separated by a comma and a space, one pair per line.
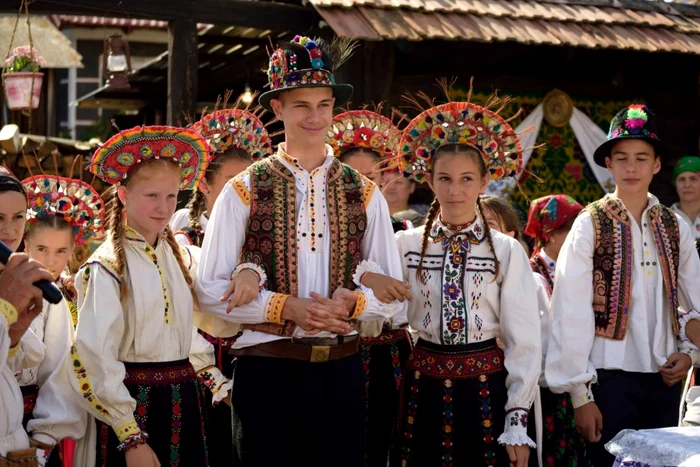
320, 353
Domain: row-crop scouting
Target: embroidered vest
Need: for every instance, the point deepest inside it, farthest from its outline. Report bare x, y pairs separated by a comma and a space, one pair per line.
613, 262
538, 266
271, 236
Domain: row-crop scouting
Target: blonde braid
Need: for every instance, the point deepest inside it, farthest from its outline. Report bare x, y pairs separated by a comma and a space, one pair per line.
429, 219
196, 206
487, 229
115, 224
170, 238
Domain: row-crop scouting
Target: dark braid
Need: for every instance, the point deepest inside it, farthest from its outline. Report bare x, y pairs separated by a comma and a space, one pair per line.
115, 225
196, 206
429, 219
487, 229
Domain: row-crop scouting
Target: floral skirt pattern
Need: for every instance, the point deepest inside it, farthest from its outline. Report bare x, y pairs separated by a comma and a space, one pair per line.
452, 407
562, 445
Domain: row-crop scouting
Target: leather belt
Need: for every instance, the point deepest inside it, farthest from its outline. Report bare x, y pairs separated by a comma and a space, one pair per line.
311, 349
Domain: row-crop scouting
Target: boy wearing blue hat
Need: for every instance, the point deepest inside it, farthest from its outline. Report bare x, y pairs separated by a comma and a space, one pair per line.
627, 283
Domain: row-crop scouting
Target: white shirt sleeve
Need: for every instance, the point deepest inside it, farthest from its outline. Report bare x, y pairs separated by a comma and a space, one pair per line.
520, 333
98, 374
688, 288
568, 367
545, 319
380, 247
55, 414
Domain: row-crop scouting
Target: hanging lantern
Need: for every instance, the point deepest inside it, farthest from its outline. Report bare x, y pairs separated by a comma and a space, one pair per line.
247, 96
116, 62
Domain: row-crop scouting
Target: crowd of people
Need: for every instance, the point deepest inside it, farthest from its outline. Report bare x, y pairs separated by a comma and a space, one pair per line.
300, 311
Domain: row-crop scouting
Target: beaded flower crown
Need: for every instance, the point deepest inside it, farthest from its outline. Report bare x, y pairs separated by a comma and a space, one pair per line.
464, 123
363, 129
123, 153
235, 128
75, 201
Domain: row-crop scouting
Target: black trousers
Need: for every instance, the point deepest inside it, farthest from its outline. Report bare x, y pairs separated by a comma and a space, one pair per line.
295, 413
635, 401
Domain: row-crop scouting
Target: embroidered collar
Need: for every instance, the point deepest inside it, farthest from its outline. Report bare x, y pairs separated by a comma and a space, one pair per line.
293, 163
618, 209
138, 240
440, 231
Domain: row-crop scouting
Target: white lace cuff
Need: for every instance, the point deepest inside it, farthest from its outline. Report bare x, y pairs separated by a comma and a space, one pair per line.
257, 269
683, 319
515, 433
365, 266
581, 395
222, 392
213, 379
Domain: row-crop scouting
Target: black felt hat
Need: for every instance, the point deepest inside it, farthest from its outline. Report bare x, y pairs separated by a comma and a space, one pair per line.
633, 122
307, 63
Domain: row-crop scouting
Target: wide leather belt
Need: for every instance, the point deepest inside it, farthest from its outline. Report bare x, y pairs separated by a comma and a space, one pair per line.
309, 349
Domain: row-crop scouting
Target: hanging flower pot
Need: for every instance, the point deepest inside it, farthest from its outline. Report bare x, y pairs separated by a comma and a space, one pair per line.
21, 78
21, 91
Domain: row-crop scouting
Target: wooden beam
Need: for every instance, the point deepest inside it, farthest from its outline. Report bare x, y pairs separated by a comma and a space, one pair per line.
245, 13
183, 59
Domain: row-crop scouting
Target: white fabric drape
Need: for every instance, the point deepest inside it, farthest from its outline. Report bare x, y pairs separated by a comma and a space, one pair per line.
504, 186
588, 134
589, 137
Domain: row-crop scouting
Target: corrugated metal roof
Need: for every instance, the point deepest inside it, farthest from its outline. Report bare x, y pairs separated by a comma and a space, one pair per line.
531, 22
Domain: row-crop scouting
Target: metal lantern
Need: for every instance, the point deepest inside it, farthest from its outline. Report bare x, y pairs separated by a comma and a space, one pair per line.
116, 61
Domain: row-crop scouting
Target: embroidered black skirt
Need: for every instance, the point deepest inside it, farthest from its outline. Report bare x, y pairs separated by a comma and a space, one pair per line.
453, 406
383, 361
170, 408
562, 444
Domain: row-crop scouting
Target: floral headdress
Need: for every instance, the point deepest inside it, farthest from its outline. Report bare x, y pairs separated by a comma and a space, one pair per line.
124, 152
231, 128
480, 127
68, 198
364, 129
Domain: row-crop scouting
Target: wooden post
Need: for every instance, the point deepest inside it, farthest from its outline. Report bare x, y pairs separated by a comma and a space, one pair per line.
183, 62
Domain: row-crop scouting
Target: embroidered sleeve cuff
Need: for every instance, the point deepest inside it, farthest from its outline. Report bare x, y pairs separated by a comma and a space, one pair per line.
515, 433
126, 429
683, 319
8, 311
222, 393
273, 309
360, 304
215, 381
15, 350
132, 441
364, 267
262, 277
581, 395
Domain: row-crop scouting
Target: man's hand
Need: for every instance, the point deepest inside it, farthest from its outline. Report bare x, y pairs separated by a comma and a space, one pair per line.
589, 422
385, 288
675, 368
242, 290
313, 317
17, 287
519, 455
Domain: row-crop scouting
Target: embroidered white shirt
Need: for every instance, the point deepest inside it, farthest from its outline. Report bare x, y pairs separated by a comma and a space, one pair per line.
447, 311
226, 232
575, 352
12, 435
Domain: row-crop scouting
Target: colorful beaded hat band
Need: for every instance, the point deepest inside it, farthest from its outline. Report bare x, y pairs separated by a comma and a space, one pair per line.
234, 128
73, 200
466, 124
306, 62
363, 129
123, 153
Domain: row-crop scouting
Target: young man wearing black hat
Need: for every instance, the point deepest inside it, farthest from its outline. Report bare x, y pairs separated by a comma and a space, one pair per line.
301, 222
627, 282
